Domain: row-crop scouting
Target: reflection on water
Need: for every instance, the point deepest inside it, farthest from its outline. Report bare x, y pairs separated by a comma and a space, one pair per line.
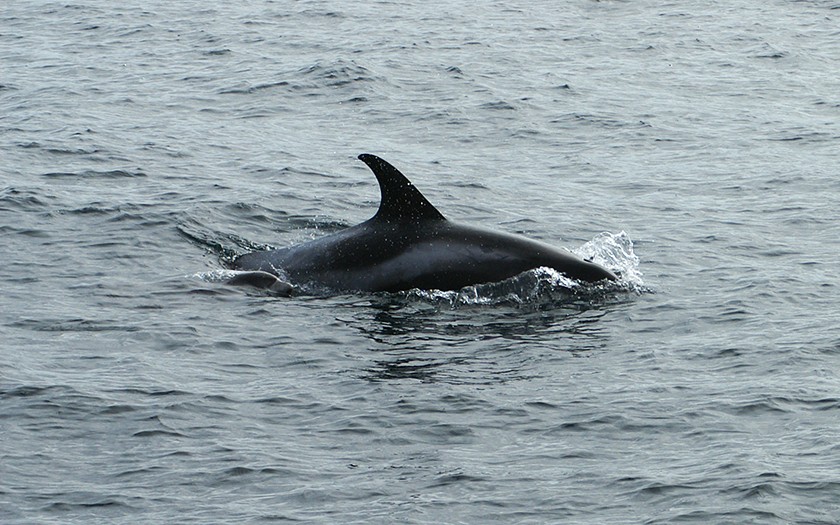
421, 340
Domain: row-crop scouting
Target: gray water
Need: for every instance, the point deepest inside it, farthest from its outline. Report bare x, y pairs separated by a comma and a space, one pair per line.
143, 143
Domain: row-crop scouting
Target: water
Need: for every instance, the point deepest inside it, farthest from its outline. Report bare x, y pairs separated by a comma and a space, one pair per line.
144, 142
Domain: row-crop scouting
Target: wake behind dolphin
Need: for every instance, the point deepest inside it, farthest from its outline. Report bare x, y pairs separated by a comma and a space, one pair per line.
407, 244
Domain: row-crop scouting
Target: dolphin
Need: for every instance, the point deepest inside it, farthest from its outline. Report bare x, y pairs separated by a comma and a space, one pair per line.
407, 244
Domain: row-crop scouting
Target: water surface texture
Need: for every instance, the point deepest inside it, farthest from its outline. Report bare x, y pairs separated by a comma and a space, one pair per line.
142, 143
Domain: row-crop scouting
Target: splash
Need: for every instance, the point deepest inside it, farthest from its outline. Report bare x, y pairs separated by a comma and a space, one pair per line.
214, 276
614, 251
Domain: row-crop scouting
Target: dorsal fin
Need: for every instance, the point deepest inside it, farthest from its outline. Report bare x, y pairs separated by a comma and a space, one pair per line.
401, 201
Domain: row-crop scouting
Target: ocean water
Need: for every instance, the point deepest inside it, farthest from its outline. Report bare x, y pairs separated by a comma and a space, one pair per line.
694, 145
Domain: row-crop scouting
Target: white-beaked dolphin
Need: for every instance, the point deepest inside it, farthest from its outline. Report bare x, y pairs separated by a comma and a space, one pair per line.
407, 244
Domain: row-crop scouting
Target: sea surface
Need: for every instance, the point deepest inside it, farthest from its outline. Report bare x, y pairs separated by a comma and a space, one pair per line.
693, 146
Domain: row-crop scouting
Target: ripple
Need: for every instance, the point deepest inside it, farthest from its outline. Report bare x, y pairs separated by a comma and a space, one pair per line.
14, 199
158, 432
93, 174
73, 325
